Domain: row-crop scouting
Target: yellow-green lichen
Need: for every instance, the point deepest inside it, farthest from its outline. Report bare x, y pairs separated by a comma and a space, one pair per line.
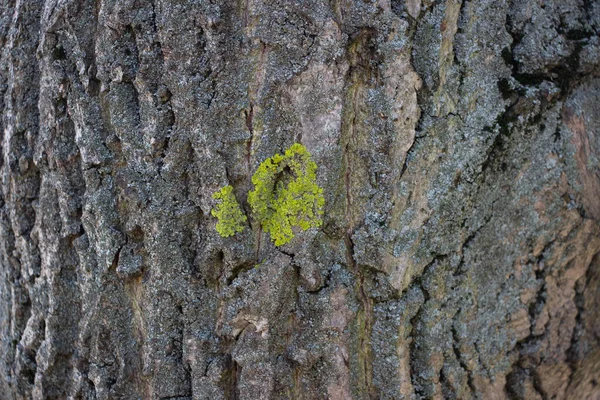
286, 194
230, 217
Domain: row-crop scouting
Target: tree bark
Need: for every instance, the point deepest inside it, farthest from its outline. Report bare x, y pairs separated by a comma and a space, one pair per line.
458, 147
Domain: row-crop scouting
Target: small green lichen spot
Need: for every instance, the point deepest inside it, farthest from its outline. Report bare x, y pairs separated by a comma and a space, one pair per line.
230, 217
286, 194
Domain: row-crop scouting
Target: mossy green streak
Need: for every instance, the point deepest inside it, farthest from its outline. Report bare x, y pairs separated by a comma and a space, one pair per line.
279, 207
230, 217
285, 195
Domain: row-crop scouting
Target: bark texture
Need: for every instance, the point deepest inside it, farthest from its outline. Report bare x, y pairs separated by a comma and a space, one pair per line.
458, 145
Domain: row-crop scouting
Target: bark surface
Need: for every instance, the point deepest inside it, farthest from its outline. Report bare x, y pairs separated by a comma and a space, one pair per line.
458, 146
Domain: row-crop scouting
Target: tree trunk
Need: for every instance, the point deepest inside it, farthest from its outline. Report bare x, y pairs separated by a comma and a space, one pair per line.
457, 145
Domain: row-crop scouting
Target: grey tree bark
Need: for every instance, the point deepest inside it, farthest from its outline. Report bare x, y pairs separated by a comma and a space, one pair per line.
458, 147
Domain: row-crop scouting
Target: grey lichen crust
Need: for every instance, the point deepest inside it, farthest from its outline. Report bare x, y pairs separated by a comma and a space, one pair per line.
458, 151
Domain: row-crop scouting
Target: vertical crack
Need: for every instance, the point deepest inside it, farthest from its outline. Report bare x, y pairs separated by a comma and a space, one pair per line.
250, 126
